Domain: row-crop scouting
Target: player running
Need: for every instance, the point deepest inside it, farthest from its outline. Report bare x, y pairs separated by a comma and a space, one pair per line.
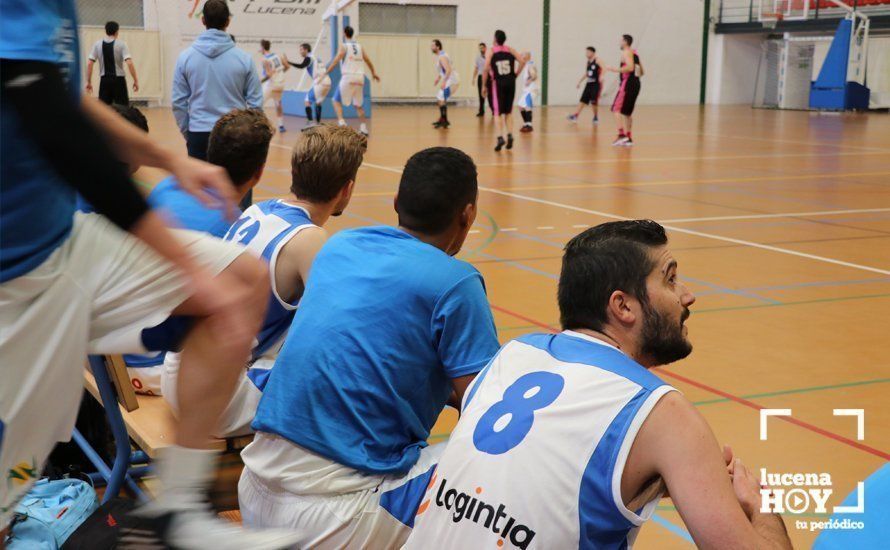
529, 79
630, 72
569, 440
274, 67
446, 82
499, 80
321, 82
351, 89
591, 94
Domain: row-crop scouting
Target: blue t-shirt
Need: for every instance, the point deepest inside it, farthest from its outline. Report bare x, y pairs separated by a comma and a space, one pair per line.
36, 205
386, 321
183, 210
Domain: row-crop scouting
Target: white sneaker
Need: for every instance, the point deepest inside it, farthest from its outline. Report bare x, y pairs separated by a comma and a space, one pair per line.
341, 122
363, 129
620, 140
181, 516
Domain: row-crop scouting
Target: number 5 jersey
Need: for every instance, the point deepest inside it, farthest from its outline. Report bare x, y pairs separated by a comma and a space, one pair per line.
537, 457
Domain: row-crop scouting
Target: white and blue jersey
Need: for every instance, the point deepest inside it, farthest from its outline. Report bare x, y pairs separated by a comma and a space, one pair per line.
37, 210
537, 457
386, 322
450, 85
265, 228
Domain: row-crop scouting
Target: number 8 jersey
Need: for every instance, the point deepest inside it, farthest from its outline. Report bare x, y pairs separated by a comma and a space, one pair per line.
537, 457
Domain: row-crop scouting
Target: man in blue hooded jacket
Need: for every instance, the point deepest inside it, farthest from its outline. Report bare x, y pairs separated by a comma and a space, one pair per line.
212, 77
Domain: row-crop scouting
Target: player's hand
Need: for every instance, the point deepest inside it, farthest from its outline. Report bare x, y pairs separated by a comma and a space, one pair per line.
729, 459
135, 86
376, 78
208, 183
578, 86
89, 88
746, 487
484, 91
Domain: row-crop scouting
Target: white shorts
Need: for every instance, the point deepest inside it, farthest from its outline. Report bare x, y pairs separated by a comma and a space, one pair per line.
94, 294
443, 94
319, 90
351, 90
146, 380
239, 413
527, 99
273, 91
378, 516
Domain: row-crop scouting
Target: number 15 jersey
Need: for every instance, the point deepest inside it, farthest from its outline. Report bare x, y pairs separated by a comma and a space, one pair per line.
537, 457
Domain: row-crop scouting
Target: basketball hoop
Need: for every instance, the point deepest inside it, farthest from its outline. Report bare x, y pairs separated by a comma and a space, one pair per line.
770, 20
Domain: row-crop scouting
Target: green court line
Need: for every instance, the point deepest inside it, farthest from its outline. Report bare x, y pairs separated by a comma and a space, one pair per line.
797, 303
488, 240
796, 390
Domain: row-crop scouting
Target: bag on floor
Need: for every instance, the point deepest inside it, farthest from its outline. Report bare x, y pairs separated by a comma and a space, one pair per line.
50, 512
101, 530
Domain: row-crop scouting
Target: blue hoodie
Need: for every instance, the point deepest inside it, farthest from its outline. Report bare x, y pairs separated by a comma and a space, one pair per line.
212, 77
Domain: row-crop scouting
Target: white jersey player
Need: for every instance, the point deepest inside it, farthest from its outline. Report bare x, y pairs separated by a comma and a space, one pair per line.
351, 90
274, 67
528, 78
568, 440
447, 81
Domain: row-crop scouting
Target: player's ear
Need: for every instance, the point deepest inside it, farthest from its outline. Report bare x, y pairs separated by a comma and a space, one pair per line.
621, 308
395, 202
468, 216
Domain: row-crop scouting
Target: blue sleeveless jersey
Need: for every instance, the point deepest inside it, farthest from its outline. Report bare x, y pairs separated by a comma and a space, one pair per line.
265, 228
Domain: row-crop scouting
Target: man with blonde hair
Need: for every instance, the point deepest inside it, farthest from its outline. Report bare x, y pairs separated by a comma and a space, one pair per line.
287, 234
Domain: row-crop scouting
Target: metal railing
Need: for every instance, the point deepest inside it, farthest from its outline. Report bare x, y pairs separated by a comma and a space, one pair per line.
747, 11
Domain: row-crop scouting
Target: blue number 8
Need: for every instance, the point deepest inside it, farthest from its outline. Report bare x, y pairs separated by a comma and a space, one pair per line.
529, 393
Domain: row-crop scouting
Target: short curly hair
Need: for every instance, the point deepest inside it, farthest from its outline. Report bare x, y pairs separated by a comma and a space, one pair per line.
239, 143
324, 160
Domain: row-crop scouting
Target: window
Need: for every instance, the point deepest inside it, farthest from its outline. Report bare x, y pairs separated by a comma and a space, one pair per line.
376, 18
98, 12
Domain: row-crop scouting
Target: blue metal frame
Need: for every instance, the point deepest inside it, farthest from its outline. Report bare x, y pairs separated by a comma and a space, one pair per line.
119, 473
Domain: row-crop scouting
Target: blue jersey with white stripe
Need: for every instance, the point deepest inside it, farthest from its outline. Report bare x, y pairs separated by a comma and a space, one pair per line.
265, 228
37, 206
564, 406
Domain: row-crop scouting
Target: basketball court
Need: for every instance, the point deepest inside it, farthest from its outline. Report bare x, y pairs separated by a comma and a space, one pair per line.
780, 222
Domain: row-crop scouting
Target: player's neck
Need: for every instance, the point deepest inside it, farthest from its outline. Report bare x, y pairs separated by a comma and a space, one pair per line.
613, 338
318, 213
442, 241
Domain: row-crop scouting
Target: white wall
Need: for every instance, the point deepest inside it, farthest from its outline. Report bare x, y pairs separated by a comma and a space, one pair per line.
666, 33
732, 67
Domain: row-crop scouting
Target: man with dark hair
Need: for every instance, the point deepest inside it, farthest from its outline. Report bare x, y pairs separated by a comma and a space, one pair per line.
211, 78
321, 82
499, 80
274, 67
286, 233
478, 68
111, 54
585, 400
446, 82
351, 89
593, 76
390, 329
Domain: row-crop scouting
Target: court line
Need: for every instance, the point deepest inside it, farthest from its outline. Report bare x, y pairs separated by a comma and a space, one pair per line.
809, 389
694, 233
676, 229
625, 158
777, 215
706, 181
791, 141
740, 400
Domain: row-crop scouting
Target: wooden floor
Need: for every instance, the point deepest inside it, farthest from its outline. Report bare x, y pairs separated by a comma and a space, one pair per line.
781, 225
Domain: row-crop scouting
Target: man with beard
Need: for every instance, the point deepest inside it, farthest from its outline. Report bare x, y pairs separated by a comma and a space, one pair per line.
582, 412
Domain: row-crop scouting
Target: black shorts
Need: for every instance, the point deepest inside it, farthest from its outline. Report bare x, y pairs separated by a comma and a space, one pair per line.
591, 93
626, 99
503, 93
113, 89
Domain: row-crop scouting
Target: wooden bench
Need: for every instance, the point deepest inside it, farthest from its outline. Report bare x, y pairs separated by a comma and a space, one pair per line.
146, 419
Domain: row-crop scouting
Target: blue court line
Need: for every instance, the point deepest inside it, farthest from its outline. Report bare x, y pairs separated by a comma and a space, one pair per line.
520, 265
675, 529
726, 290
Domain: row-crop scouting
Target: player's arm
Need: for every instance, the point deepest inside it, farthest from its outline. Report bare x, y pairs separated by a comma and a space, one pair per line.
475, 72
302, 64
519, 59
43, 103
370, 66
89, 76
341, 53
629, 65
459, 388
642, 72
532, 73
132, 67
295, 260
267, 70
180, 96
284, 62
676, 444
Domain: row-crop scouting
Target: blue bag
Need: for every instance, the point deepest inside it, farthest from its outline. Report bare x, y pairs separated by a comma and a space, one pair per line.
50, 512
